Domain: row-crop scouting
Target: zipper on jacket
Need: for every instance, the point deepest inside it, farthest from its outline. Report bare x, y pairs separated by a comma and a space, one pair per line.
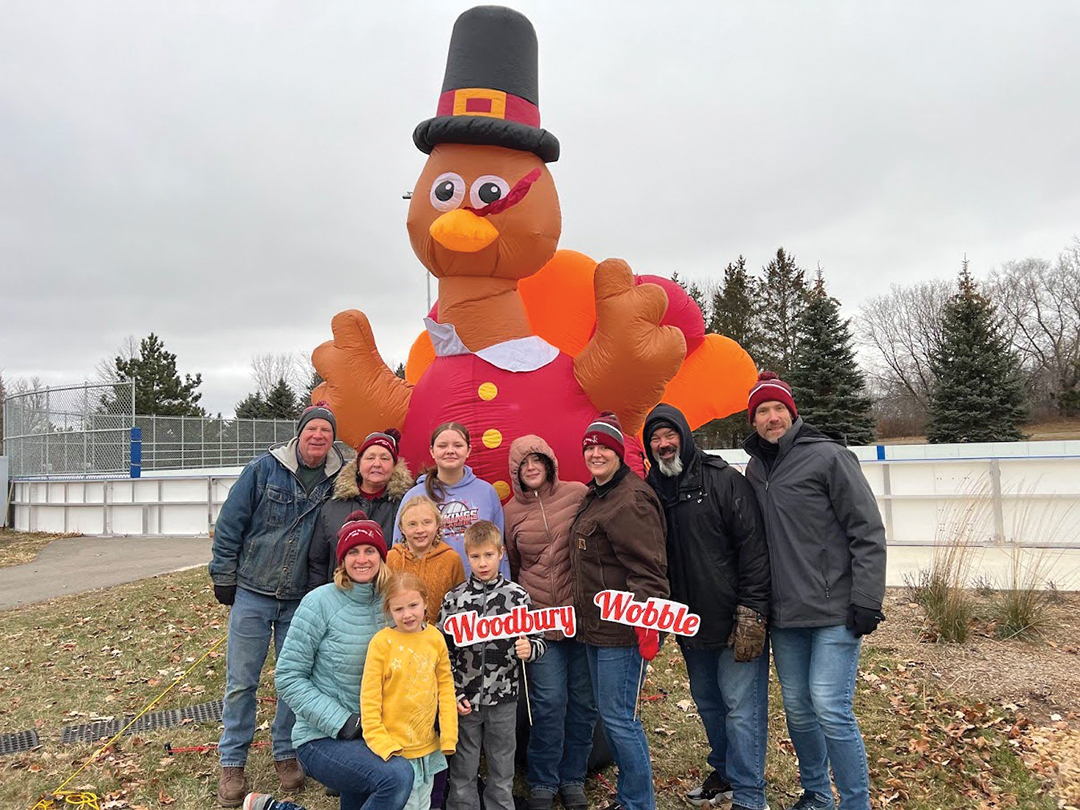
483, 649
550, 545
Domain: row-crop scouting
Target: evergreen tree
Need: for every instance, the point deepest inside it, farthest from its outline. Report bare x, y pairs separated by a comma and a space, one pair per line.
733, 307
281, 402
159, 391
780, 302
829, 388
978, 393
733, 315
314, 382
399, 370
253, 406
698, 298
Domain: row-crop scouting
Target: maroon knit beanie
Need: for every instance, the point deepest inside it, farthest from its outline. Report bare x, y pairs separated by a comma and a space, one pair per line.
768, 388
388, 438
359, 531
605, 430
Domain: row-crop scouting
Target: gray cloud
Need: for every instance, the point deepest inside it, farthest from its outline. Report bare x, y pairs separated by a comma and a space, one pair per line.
230, 177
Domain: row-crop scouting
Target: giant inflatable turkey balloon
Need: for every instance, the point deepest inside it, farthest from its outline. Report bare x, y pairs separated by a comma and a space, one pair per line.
525, 338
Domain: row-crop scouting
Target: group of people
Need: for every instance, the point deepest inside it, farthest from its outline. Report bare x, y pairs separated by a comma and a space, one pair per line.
379, 704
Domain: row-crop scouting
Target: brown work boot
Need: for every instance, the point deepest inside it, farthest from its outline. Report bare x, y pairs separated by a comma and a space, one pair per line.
232, 787
290, 773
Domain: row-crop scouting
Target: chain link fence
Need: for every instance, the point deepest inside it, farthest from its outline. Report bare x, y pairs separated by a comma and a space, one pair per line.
81, 430
85, 431
187, 442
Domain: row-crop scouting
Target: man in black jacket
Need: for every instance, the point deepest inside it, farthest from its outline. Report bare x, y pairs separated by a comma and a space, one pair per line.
718, 564
827, 544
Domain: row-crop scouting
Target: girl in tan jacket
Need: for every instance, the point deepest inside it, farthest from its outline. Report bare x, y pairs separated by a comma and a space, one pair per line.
538, 520
437, 565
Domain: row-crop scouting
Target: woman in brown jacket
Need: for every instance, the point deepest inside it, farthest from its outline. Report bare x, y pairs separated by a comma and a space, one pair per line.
617, 542
538, 520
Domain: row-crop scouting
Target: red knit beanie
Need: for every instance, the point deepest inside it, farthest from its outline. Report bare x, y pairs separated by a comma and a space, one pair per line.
768, 388
388, 438
605, 430
359, 531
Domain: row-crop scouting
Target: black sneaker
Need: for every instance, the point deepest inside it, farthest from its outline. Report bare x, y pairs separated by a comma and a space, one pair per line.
715, 790
541, 800
573, 797
813, 801
744, 807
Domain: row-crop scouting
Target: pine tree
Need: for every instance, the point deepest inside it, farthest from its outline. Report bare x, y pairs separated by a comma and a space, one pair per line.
780, 302
159, 391
733, 315
314, 382
978, 393
253, 406
281, 402
829, 388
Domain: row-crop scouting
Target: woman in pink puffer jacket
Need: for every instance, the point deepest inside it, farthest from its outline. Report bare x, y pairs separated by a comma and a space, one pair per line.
538, 520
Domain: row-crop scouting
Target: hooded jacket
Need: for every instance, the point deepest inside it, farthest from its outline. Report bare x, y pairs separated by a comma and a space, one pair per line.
440, 569
617, 543
263, 532
466, 502
347, 498
538, 529
826, 538
716, 549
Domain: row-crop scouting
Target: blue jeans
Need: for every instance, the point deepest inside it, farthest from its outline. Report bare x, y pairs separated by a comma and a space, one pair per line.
561, 697
733, 701
617, 675
253, 619
362, 778
817, 667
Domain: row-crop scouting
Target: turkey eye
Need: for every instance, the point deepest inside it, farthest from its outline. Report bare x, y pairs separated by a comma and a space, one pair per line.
447, 191
487, 189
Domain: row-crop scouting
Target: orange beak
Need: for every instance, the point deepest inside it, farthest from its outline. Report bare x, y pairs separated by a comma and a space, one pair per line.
462, 231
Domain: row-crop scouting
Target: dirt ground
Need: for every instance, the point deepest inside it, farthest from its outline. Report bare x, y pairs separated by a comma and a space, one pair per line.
1040, 678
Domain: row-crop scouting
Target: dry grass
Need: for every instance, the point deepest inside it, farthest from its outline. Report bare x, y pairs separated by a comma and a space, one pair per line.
1022, 608
111, 652
17, 548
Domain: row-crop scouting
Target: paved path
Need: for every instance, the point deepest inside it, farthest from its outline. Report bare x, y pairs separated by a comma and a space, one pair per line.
79, 564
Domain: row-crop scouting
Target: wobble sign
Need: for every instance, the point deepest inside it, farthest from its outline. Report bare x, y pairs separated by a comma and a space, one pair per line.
653, 614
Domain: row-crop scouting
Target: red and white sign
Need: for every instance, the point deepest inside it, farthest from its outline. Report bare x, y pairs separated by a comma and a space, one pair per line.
653, 613
471, 628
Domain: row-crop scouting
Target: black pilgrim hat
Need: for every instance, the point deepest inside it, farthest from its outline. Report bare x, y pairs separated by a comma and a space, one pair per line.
490, 91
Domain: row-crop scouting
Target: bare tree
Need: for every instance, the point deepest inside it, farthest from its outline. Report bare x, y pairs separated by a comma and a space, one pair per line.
1040, 302
902, 328
268, 368
105, 372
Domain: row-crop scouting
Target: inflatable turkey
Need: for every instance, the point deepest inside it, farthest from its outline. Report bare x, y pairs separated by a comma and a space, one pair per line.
524, 338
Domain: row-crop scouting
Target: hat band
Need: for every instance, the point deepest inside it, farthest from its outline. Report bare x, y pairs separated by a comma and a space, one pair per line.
488, 103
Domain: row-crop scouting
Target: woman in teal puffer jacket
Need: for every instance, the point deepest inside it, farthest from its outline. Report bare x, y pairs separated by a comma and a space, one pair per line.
321, 666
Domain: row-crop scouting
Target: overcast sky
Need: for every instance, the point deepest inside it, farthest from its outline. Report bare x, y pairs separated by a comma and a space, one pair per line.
229, 175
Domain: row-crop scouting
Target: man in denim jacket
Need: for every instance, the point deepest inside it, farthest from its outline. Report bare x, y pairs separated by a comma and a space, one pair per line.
259, 567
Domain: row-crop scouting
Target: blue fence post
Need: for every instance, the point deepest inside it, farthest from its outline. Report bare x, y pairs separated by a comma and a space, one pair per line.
881, 452
136, 452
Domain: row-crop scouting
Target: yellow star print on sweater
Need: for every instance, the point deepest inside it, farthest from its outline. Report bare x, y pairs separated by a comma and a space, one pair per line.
407, 681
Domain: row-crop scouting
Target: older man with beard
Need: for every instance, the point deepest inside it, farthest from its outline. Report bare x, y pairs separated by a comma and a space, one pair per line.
718, 564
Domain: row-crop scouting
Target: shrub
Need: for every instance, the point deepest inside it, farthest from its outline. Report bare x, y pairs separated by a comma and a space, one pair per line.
1022, 610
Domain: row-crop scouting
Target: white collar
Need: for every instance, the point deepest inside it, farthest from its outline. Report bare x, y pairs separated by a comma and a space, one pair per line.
521, 354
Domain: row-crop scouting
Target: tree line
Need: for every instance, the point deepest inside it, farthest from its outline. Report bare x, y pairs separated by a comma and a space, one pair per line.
959, 361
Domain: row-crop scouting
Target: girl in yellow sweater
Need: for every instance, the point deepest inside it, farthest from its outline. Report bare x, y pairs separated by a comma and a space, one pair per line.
407, 682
